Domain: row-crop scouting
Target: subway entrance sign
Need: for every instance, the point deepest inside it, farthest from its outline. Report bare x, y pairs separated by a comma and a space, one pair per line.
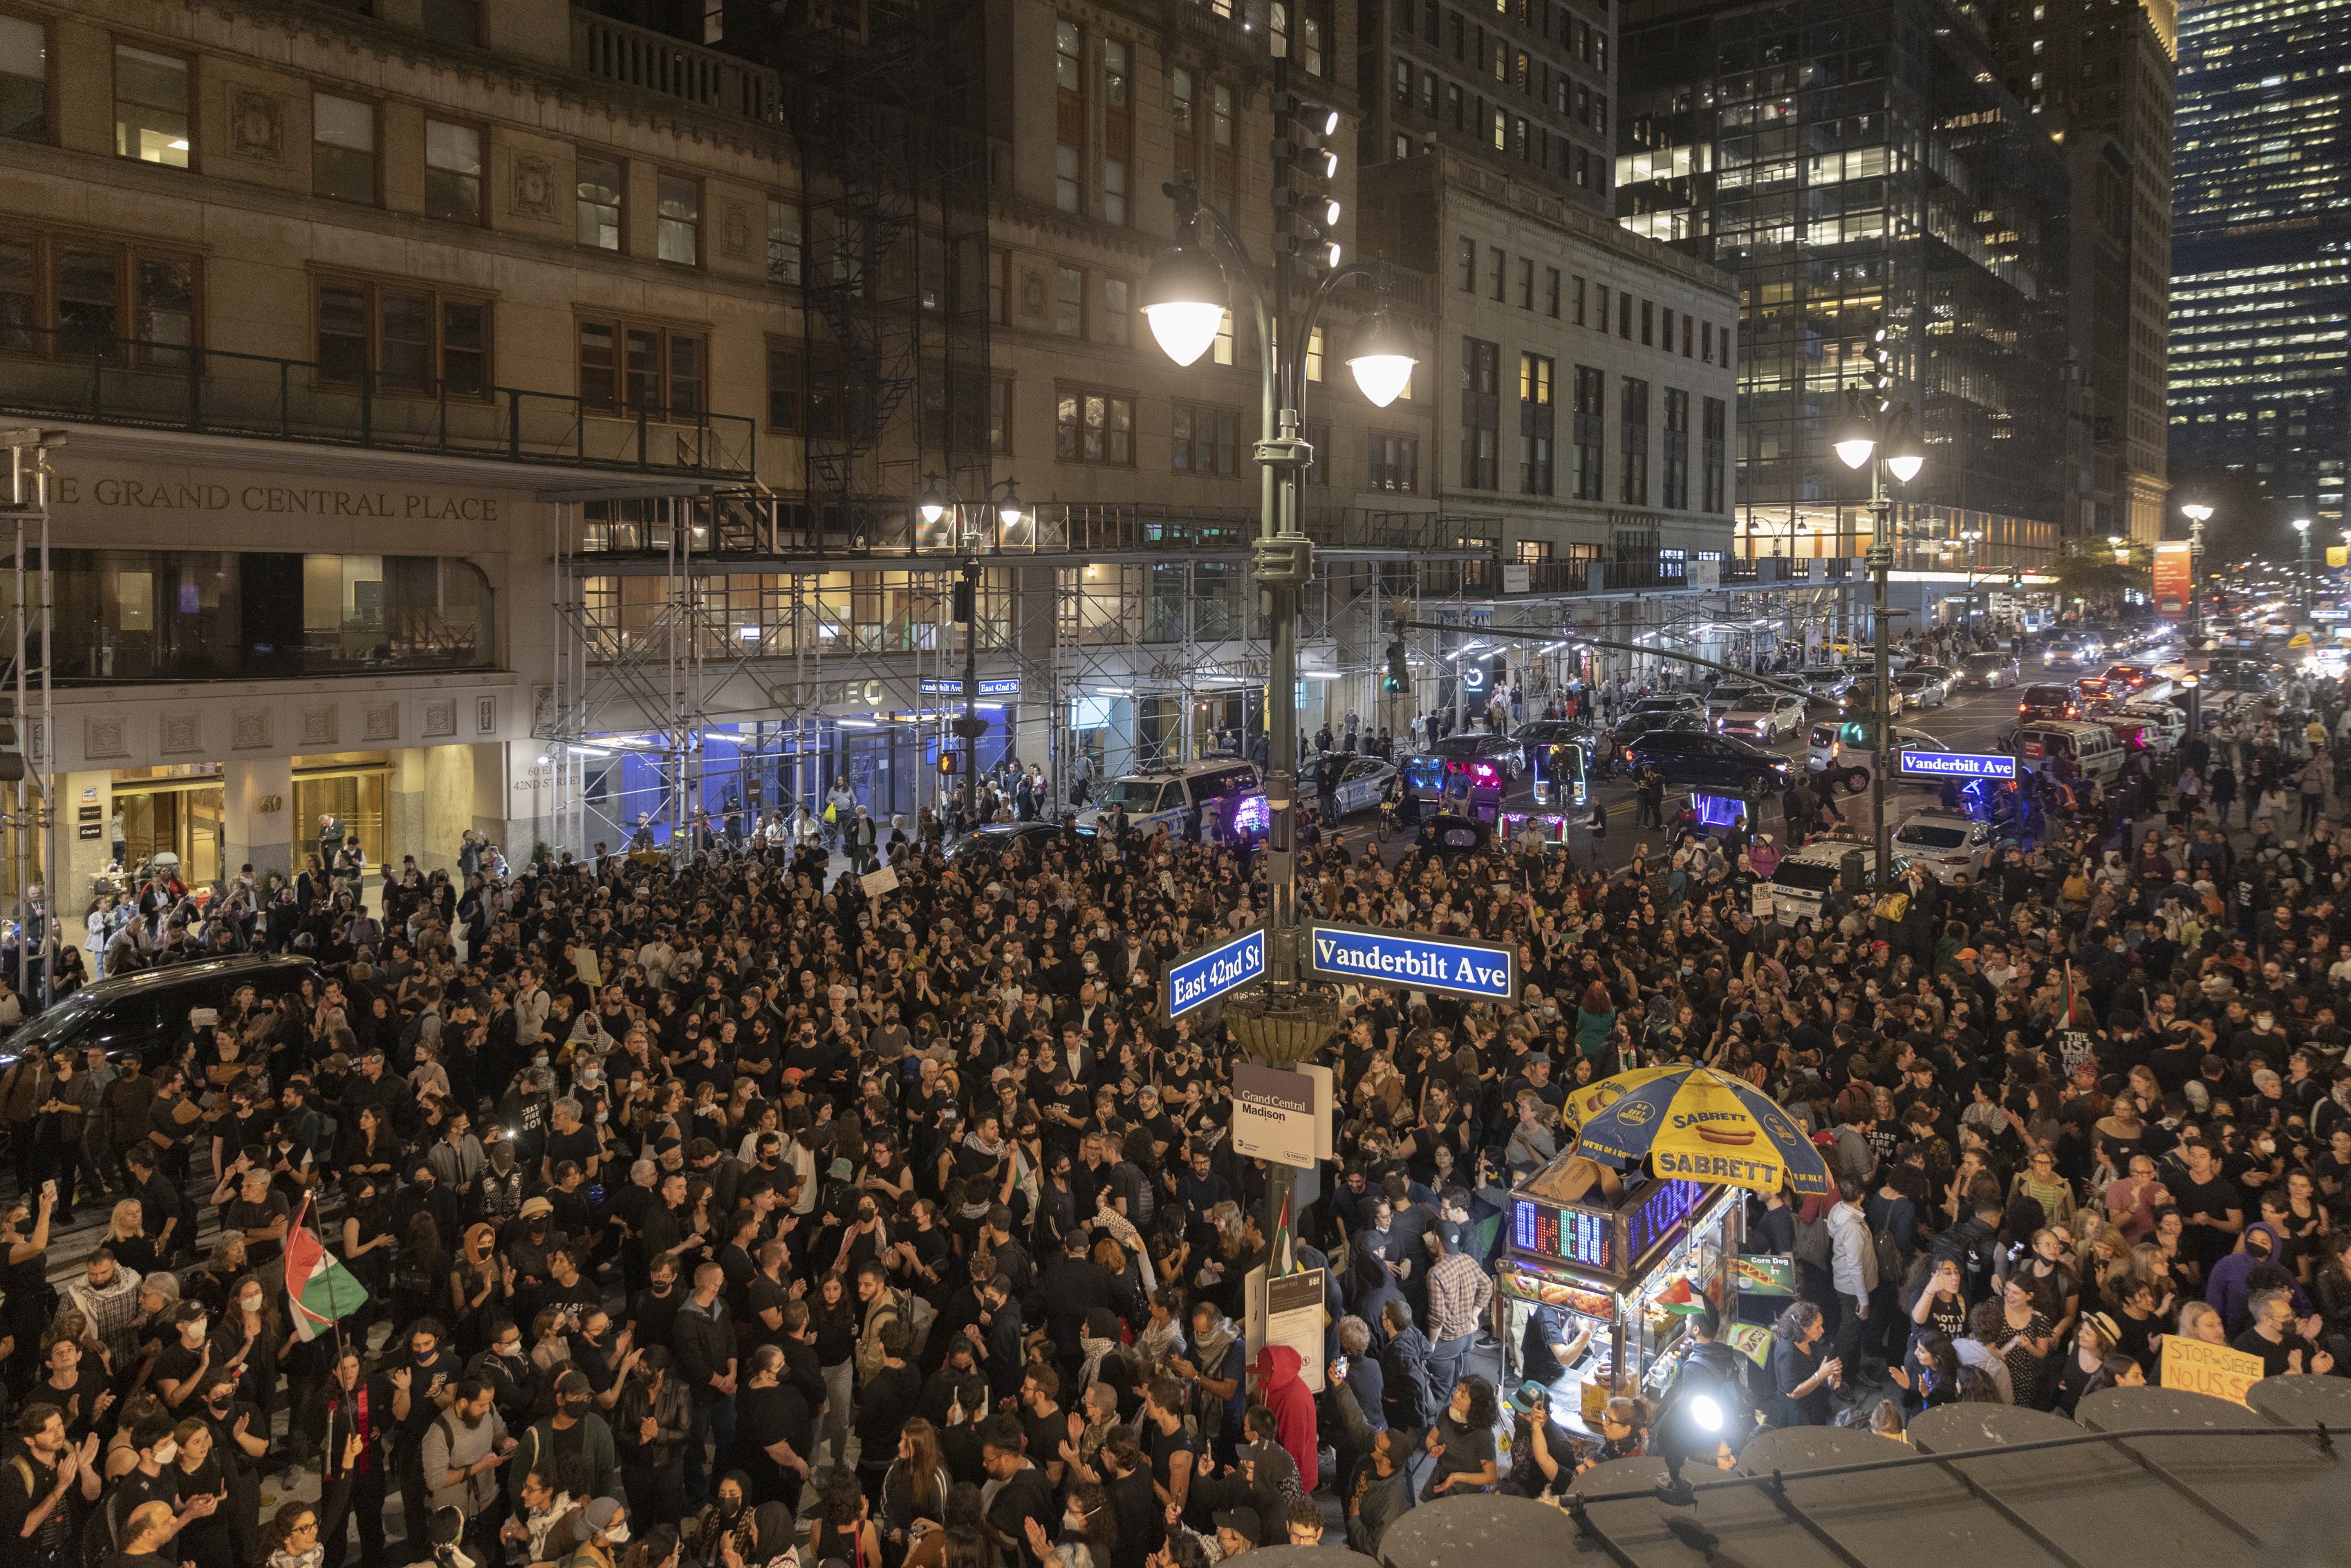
1960, 765
1200, 978
1454, 965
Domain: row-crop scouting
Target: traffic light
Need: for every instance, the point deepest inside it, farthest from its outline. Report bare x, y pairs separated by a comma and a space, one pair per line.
12, 756
1305, 178
1399, 680
963, 597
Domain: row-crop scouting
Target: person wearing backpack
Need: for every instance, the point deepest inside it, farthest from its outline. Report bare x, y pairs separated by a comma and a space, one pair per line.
1892, 1212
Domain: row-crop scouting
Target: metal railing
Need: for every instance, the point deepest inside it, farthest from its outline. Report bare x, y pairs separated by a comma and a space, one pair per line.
51, 372
641, 57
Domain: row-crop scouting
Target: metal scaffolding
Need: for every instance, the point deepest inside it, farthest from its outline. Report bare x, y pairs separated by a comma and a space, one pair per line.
34, 808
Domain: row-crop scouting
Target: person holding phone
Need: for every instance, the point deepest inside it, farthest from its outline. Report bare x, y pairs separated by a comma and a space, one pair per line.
1802, 1374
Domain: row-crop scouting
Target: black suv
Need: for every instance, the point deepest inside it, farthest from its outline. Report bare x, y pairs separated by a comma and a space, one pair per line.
1694, 756
2050, 700
148, 1012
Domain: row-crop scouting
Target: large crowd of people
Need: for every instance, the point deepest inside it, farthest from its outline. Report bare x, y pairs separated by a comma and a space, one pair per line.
709, 1208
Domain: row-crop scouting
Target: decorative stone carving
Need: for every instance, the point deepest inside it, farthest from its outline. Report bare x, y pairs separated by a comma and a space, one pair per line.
381, 722
318, 726
441, 717
534, 185
181, 733
256, 126
738, 236
249, 728
106, 737
485, 715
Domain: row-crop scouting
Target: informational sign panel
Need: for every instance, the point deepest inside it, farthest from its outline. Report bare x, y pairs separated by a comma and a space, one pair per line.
1960, 765
877, 882
2213, 1369
1009, 688
1454, 965
1274, 1115
1294, 1316
1199, 978
2171, 570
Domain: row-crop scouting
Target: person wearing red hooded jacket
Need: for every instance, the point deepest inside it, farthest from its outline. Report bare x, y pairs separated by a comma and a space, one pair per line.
1292, 1403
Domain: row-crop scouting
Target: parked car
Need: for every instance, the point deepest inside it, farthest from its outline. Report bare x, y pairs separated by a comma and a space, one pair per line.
1169, 796
1503, 751
1846, 753
1765, 716
1729, 695
2050, 700
1803, 879
1629, 733
1000, 838
1924, 686
1361, 781
1990, 671
144, 1014
1723, 761
1860, 699
1947, 843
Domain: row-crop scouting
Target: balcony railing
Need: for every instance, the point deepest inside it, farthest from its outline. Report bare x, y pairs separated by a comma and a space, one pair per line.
640, 58
48, 373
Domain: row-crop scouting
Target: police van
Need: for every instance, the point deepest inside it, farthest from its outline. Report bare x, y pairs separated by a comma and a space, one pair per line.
2090, 749
1174, 795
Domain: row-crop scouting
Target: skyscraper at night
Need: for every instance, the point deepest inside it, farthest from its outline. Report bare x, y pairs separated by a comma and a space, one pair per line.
2261, 274
1864, 173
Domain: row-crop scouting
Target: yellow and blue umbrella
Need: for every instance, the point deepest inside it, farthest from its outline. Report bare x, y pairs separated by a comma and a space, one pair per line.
1700, 1124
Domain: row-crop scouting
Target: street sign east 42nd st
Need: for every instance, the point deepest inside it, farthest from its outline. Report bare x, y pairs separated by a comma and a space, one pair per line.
1451, 965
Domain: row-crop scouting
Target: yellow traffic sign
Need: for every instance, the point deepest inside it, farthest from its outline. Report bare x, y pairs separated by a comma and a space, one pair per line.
2298, 642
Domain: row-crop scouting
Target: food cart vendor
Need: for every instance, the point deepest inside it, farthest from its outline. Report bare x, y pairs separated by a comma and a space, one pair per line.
1552, 1344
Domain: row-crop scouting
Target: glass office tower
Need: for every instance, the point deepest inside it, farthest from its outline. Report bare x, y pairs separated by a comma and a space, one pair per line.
1861, 169
2261, 274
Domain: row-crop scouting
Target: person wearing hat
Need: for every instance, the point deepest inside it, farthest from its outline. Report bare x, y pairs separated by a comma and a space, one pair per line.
575, 1427
1237, 1531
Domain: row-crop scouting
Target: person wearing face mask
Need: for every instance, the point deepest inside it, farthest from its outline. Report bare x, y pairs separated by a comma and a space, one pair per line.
181, 1365
240, 1438
652, 1414
503, 1366
576, 1430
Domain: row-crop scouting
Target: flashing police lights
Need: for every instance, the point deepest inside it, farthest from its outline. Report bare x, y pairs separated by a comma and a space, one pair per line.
1964, 765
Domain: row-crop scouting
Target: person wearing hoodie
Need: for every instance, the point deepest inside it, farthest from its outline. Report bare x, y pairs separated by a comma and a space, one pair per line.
1285, 1394
2229, 1288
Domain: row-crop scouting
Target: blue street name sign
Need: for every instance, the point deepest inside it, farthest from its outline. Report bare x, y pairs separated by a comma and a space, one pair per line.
1452, 965
1912, 764
1205, 976
1009, 687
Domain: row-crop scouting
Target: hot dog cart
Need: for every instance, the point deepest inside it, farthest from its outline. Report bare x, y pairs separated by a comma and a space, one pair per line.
1620, 1267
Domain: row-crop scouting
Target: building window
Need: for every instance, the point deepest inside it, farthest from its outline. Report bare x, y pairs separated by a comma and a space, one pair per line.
1000, 264
1536, 373
680, 239
1452, 103
1069, 116
1401, 147
1186, 126
1633, 420
1317, 468
600, 202
457, 21
1115, 312
1223, 352
1118, 131
803, 395
1526, 283
1070, 301
1686, 336
1676, 474
24, 79
1534, 552
1575, 289
1310, 43
342, 148
1648, 324
1624, 315
1495, 264
1468, 264
999, 416
1394, 463
1710, 455
151, 106
398, 339
783, 241
1705, 341
452, 172
87, 300
1094, 427
1501, 131
1314, 355
627, 366
1205, 442
1666, 326
1403, 85
1550, 292
1220, 141
1481, 413
1590, 401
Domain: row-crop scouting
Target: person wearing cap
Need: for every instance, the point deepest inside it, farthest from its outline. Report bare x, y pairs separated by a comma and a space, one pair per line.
1237, 1531
574, 1428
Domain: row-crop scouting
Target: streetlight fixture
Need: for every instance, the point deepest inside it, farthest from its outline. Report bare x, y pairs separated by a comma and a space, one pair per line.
2302, 530
2197, 515
1184, 297
1886, 443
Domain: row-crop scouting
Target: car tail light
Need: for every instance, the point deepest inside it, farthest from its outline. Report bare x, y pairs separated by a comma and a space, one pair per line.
1955, 859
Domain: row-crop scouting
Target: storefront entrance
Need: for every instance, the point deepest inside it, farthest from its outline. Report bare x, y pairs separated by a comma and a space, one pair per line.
349, 787
181, 816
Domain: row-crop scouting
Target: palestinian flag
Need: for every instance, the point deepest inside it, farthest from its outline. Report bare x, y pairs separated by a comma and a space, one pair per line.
320, 1290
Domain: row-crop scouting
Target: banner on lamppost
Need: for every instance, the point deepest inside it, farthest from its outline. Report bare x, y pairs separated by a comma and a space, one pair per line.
2171, 570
